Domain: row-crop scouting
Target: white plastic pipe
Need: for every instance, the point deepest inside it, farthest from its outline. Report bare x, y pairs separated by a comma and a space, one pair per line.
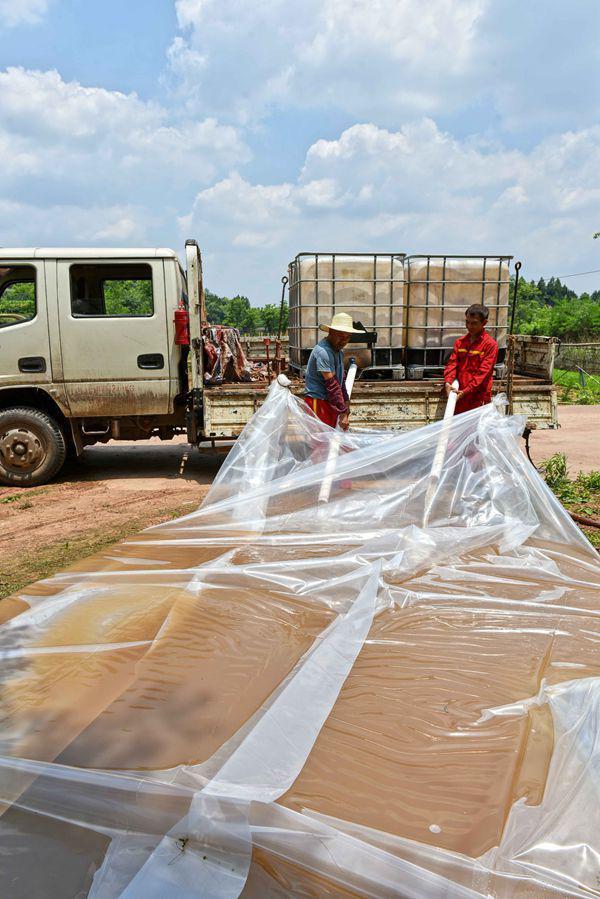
350, 378
440, 452
334, 446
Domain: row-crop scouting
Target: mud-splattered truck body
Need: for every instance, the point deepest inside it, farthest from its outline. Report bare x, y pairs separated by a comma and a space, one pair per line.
89, 353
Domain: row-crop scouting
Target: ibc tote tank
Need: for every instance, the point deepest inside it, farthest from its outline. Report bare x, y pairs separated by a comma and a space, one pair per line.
438, 291
415, 305
367, 286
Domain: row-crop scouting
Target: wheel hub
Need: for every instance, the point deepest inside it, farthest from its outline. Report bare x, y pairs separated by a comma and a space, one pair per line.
21, 449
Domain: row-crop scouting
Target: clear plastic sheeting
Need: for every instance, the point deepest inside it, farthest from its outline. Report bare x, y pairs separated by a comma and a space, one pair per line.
279, 697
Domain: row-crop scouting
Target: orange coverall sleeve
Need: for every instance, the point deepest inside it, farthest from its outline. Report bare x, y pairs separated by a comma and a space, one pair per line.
451, 366
485, 369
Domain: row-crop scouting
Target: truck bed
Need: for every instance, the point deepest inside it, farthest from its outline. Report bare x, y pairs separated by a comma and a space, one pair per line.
400, 405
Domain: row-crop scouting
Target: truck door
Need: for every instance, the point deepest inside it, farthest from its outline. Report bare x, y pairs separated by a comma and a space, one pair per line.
24, 340
195, 292
114, 337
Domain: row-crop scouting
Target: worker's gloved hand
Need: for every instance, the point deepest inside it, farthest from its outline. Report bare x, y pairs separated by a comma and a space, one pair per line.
335, 396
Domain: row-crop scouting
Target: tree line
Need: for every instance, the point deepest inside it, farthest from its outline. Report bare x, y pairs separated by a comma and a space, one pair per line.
236, 312
552, 309
547, 308
543, 307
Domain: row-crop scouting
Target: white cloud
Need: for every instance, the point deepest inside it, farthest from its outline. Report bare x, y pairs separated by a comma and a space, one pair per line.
189, 12
88, 165
18, 156
121, 228
321, 192
364, 56
244, 214
85, 157
417, 190
22, 12
64, 224
538, 62
65, 129
387, 60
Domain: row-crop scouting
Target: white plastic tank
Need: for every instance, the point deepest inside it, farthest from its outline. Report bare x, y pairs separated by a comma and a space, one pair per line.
367, 286
441, 288
415, 304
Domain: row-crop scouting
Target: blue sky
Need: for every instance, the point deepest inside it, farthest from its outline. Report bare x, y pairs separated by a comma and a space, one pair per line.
263, 129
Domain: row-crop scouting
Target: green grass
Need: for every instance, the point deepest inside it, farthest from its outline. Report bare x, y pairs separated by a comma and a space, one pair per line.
13, 497
580, 494
572, 391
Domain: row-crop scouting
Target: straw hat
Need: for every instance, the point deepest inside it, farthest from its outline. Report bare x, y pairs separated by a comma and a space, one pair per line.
341, 321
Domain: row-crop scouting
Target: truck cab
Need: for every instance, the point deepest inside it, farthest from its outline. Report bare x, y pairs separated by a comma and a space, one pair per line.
88, 351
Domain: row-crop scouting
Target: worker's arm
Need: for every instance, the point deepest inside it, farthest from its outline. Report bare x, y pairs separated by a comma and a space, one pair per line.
335, 398
485, 369
451, 370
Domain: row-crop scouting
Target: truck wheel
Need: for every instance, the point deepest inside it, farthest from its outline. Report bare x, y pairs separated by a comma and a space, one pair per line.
32, 447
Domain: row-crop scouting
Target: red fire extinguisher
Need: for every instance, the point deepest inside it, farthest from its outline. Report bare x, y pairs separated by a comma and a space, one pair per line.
181, 321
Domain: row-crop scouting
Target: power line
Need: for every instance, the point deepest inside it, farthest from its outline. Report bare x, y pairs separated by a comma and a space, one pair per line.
594, 271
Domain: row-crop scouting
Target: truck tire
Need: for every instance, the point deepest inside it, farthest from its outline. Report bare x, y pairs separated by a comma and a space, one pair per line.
32, 447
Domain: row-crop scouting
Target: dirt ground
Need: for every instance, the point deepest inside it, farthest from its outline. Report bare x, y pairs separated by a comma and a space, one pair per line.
113, 491
578, 438
117, 489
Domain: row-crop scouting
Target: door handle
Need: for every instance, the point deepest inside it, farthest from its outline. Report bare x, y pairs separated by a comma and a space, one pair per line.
32, 364
151, 360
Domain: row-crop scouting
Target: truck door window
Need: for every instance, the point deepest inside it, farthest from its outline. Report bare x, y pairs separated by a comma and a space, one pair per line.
111, 290
17, 294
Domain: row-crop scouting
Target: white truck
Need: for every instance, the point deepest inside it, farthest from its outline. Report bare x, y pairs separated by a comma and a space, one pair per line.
90, 352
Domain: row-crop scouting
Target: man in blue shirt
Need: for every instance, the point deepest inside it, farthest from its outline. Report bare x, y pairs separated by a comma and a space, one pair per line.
324, 379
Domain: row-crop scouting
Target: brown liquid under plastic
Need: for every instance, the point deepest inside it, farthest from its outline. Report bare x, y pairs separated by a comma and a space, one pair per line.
405, 746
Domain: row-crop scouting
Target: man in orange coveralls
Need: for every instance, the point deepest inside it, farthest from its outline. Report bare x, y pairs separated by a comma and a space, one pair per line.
472, 362
324, 379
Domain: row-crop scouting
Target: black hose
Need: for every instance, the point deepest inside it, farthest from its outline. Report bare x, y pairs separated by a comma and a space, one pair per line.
284, 281
514, 305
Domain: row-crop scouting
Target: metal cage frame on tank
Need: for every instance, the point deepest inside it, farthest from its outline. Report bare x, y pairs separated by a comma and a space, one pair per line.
429, 361
385, 358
